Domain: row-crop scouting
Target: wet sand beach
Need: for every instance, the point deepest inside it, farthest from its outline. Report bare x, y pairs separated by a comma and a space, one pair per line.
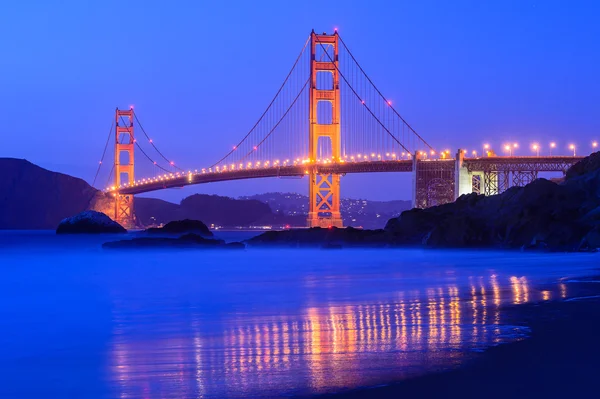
561, 359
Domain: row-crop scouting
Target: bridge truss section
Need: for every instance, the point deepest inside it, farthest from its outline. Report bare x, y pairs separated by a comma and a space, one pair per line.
501, 173
434, 182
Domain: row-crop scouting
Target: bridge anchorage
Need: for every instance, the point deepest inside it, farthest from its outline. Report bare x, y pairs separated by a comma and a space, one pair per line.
327, 119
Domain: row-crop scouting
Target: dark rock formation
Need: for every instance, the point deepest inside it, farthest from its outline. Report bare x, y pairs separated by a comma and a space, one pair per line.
546, 215
185, 241
326, 238
543, 214
89, 222
35, 198
181, 227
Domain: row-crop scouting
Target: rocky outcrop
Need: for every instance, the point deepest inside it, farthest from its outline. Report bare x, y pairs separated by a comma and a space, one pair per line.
35, 198
179, 227
186, 241
543, 214
563, 216
325, 238
89, 222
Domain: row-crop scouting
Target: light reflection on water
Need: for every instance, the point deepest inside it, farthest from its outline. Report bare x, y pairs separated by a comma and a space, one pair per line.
77, 321
322, 349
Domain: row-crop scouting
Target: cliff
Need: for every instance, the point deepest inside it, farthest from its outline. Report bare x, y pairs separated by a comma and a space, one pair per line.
32, 197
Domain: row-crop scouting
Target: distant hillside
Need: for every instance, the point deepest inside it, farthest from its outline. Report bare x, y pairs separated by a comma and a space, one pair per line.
211, 209
355, 212
33, 198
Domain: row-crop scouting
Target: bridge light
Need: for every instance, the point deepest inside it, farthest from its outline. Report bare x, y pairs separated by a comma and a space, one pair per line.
516, 145
150, 140
474, 153
389, 102
432, 152
255, 148
372, 154
594, 144
234, 147
363, 101
572, 147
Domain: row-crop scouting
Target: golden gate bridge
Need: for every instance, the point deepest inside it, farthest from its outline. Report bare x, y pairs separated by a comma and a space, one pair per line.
349, 126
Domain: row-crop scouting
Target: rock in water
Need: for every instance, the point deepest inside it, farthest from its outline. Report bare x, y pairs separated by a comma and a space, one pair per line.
89, 222
185, 226
185, 241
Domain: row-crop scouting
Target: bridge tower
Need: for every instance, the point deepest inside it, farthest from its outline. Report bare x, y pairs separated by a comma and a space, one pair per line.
124, 145
324, 189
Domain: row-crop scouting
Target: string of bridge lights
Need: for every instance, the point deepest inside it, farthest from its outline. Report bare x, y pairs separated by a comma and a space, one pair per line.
486, 151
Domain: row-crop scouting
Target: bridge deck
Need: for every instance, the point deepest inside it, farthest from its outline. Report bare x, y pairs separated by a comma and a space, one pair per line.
176, 180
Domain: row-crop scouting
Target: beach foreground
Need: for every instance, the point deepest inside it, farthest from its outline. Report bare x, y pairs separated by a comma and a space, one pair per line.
560, 359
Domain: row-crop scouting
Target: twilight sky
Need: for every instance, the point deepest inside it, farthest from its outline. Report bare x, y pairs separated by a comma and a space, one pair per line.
200, 73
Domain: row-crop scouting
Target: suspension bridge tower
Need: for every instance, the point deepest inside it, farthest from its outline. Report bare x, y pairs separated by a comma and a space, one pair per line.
324, 189
124, 145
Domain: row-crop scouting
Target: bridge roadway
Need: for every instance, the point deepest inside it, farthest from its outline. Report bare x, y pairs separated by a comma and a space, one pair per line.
178, 180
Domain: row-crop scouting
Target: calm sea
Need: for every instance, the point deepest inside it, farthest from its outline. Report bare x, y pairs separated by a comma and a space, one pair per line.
77, 321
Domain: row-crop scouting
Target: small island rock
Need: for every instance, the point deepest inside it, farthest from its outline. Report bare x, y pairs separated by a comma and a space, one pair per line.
185, 241
89, 222
182, 227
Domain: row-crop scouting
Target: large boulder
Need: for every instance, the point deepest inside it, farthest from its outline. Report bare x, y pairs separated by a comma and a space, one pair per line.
89, 222
180, 227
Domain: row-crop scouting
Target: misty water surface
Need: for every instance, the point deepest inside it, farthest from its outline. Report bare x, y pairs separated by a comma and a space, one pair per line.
77, 321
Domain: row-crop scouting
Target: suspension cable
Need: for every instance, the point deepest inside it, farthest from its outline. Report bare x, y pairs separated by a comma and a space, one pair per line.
358, 96
103, 153
268, 107
171, 163
381, 94
279, 121
142, 150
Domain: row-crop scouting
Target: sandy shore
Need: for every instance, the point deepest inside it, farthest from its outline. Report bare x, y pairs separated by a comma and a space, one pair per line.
560, 360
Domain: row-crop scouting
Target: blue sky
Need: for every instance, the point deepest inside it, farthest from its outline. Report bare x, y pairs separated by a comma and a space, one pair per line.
200, 73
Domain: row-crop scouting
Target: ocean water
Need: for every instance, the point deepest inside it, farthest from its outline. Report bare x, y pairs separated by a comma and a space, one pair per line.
77, 321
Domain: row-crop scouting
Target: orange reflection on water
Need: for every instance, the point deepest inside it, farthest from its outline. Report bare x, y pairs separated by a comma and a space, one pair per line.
328, 345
